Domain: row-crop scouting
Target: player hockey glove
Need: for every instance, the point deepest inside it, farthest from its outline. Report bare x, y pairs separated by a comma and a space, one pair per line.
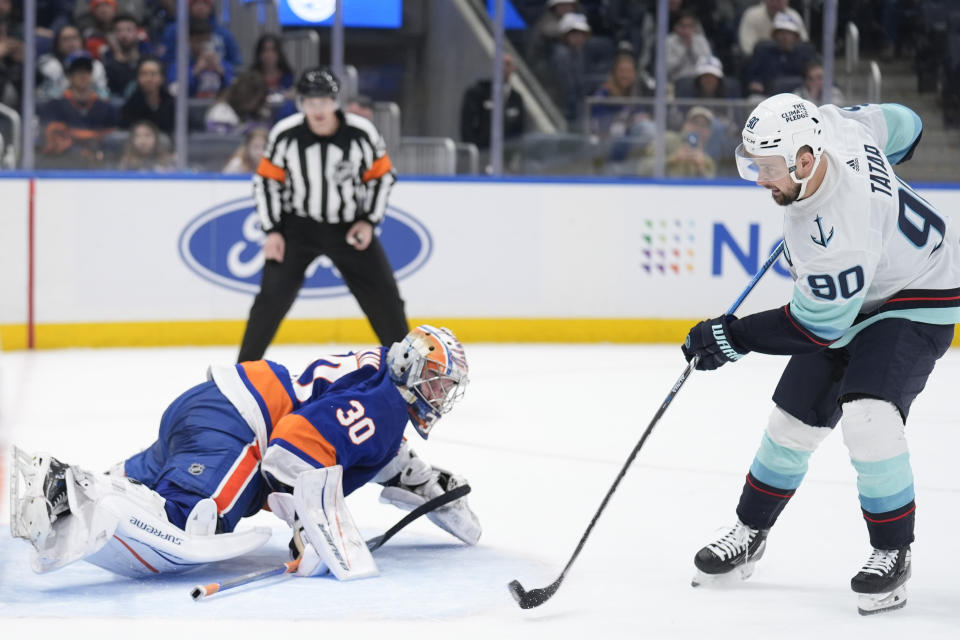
711, 342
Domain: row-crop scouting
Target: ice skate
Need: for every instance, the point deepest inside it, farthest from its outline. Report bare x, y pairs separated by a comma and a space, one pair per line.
882, 581
38, 495
734, 553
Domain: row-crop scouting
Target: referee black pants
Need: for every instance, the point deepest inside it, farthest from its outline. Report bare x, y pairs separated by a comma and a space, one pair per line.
367, 274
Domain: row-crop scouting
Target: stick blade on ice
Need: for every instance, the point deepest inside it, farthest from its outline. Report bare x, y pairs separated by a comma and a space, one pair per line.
534, 597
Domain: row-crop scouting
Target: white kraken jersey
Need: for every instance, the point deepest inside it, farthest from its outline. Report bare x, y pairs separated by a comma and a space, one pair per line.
865, 246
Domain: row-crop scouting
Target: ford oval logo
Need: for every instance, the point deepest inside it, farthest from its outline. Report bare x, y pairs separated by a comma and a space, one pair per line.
224, 245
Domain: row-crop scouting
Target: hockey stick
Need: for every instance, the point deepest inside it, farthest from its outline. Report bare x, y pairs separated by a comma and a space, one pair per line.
536, 597
454, 494
201, 591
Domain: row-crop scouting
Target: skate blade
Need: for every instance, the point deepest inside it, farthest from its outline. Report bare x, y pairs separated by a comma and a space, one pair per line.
734, 576
871, 603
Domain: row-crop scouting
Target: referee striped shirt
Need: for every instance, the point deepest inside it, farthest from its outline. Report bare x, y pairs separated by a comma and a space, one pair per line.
331, 179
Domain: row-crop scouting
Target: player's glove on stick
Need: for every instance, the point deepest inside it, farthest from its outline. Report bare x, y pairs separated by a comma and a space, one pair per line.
711, 342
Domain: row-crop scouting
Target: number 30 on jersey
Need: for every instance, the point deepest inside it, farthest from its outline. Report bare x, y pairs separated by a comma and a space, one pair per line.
360, 428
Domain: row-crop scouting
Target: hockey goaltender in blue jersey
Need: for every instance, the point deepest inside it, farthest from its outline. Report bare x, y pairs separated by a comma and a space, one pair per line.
253, 435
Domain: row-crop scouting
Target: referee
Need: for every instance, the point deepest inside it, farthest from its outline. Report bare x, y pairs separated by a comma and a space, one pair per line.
320, 189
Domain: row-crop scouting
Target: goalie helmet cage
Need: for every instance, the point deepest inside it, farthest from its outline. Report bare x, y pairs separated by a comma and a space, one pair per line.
536, 597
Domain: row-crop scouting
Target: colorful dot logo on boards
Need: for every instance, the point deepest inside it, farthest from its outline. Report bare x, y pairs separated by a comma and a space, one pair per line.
667, 247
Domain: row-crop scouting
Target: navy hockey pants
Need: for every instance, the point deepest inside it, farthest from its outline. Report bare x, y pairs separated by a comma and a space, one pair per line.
205, 449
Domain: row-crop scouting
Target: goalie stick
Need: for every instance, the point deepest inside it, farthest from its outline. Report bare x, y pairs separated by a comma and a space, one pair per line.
536, 597
201, 591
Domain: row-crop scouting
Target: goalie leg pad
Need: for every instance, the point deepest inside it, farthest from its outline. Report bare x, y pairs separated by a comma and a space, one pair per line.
318, 511
138, 544
32, 512
121, 525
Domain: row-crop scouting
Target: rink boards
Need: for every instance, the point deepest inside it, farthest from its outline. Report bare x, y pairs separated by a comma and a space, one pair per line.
111, 259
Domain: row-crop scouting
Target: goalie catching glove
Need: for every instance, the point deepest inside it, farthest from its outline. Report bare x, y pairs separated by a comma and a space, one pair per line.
410, 482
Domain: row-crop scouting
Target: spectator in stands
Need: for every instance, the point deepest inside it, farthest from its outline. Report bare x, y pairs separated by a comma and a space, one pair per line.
122, 57
161, 15
53, 81
625, 129
145, 149
136, 8
757, 24
546, 31
685, 45
617, 120
708, 81
150, 99
685, 151
362, 105
208, 73
812, 87
51, 15
574, 63
97, 26
776, 61
271, 63
476, 110
75, 124
11, 55
220, 40
241, 106
247, 156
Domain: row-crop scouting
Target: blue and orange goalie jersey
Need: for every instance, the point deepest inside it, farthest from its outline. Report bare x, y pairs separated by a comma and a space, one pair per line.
349, 413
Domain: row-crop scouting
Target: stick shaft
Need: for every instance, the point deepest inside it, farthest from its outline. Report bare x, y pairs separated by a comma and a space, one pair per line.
756, 278
656, 418
202, 591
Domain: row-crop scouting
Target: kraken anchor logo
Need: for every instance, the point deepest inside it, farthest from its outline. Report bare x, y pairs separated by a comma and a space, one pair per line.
824, 240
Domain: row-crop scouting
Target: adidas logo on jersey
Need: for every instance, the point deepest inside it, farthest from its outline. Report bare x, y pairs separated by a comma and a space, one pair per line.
854, 164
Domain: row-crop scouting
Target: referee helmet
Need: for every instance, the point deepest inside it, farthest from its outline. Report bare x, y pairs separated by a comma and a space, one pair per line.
318, 82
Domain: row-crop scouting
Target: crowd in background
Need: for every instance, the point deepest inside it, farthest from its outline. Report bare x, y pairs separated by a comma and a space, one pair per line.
106, 77
596, 57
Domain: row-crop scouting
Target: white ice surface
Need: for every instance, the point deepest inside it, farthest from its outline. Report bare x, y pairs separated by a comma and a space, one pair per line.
541, 435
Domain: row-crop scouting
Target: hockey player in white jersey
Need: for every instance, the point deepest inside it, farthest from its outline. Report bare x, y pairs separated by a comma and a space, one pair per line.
876, 272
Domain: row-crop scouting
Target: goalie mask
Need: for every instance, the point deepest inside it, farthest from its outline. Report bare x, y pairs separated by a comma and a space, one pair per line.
774, 134
429, 368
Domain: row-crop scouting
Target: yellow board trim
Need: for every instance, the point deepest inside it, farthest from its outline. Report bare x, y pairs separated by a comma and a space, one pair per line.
349, 331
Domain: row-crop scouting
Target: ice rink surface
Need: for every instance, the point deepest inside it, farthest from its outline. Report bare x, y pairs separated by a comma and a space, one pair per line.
541, 434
